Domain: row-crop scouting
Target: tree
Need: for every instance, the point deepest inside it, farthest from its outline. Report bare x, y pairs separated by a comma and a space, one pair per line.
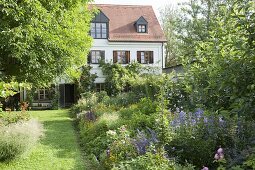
40, 39
193, 25
168, 17
224, 76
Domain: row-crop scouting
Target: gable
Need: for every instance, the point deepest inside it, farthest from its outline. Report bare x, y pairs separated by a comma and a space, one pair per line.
100, 17
141, 20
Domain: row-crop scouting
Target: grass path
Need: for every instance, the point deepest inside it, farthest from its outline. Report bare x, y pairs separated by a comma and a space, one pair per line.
57, 150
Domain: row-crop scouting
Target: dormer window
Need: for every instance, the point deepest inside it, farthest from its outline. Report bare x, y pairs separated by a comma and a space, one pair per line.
99, 26
141, 25
98, 30
142, 28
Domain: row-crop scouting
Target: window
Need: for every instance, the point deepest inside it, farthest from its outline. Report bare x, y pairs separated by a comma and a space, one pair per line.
100, 87
145, 57
98, 30
95, 56
142, 28
121, 57
42, 94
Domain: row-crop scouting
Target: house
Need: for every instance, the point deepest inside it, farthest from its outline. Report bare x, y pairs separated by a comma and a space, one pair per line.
125, 33
121, 34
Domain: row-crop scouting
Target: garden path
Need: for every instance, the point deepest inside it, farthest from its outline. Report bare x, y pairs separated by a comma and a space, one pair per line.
58, 148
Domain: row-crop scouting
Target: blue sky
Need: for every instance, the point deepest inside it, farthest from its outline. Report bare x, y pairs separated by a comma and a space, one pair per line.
156, 4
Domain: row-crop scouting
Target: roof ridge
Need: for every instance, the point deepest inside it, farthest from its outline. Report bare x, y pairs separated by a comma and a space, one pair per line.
131, 5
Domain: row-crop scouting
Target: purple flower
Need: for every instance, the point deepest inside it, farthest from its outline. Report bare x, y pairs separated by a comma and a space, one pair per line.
205, 120
142, 141
199, 113
182, 116
193, 122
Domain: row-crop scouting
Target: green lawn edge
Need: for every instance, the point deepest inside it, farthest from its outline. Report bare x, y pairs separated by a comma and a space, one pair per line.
57, 149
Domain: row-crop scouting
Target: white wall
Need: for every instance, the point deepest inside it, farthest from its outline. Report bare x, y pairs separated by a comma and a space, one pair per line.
133, 47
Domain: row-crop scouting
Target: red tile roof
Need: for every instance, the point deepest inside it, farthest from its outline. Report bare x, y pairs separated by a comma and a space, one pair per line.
122, 19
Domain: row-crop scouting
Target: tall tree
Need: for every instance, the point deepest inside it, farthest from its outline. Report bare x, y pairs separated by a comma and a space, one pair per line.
194, 23
40, 39
224, 75
168, 17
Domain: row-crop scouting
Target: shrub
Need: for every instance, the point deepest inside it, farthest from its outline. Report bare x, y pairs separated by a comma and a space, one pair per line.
138, 152
198, 135
13, 117
148, 161
101, 108
87, 101
18, 138
147, 106
121, 147
93, 134
122, 99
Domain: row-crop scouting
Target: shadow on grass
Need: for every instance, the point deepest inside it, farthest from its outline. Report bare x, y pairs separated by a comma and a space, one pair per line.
60, 136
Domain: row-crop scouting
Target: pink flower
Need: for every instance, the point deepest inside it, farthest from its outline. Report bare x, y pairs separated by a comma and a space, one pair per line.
216, 156
220, 150
205, 168
221, 156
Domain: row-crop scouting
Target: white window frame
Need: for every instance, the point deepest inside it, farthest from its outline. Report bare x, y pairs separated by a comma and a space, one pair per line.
121, 57
98, 30
145, 57
95, 56
43, 94
142, 28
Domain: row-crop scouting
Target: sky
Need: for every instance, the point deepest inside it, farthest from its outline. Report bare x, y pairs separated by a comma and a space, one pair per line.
156, 4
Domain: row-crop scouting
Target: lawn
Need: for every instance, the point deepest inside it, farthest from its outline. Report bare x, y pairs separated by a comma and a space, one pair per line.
58, 148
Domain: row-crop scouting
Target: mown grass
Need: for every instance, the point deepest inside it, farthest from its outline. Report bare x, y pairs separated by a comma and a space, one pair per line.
58, 148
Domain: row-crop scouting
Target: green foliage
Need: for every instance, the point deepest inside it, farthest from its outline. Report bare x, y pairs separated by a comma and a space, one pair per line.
93, 134
121, 147
149, 161
250, 163
223, 76
118, 77
18, 138
8, 89
13, 117
86, 80
122, 99
197, 137
85, 103
41, 40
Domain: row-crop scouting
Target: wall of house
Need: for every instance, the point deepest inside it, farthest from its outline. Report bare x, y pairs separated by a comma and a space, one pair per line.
133, 47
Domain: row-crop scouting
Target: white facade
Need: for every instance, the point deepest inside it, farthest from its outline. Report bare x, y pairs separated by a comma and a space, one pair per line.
133, 47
